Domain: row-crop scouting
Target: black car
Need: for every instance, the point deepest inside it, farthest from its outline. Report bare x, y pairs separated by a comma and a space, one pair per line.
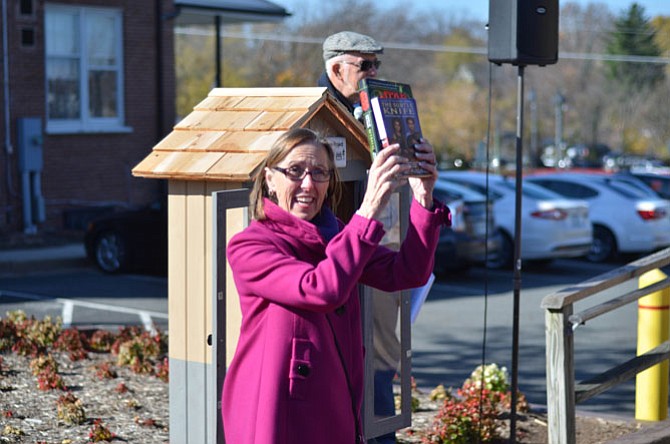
130, 240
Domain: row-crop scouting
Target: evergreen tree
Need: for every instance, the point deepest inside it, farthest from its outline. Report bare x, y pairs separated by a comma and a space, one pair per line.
634, 35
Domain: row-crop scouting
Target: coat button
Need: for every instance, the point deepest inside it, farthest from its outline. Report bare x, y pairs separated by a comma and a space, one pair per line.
303, 369
340, 310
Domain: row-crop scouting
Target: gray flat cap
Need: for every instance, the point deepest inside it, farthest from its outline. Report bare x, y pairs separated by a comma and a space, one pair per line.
349, 41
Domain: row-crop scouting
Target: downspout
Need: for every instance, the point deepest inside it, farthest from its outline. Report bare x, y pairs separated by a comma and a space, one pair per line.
160, 113
160, 87
217, 45
9, 150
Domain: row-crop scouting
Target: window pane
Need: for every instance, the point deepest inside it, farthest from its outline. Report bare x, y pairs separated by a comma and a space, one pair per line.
100, 30
63, 86
102, 93
62, 33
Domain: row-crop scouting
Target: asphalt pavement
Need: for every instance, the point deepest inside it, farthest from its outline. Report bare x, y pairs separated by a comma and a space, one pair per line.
39, 259
28, 260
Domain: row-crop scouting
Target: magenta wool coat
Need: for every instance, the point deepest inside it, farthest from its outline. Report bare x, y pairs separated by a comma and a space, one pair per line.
297, 373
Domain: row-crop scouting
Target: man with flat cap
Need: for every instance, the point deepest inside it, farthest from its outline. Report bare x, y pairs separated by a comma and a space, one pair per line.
349, 57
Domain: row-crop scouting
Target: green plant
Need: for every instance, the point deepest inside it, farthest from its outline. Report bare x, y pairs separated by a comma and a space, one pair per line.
12, 431
72, 342
138, 352
163, 370
41, 363
125, 334
438, 393
70, 409
494, 378
48, 379
102, 341
473, 414
7, 334
30, 336
146, 422
464, 421
133, 404
121, 388
104, 370
100, 432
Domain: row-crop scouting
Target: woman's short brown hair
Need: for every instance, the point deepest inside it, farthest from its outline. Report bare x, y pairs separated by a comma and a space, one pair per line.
281, 148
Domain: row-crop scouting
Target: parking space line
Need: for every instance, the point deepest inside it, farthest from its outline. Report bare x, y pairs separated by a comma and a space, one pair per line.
148, 322
68, 309
145, 316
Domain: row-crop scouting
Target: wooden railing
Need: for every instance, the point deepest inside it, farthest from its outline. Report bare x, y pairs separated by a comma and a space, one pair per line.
560, 326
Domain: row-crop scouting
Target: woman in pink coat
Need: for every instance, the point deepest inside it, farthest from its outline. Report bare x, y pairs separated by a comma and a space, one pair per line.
297, 373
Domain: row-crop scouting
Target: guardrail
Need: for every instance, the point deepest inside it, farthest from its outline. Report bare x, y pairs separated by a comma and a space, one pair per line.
560, 326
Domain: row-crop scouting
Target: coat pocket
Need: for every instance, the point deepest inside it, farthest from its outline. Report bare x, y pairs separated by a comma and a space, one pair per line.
301, 369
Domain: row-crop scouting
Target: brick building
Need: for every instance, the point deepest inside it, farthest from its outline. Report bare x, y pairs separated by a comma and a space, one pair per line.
88, 88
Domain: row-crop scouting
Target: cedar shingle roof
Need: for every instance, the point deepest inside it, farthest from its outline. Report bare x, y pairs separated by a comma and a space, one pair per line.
228, 134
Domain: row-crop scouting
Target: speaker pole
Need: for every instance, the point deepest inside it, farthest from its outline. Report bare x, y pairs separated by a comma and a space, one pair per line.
517, 252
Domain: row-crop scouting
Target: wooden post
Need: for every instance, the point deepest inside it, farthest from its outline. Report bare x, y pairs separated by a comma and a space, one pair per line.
560, 377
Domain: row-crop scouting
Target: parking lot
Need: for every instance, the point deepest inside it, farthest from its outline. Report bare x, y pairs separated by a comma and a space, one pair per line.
465, 319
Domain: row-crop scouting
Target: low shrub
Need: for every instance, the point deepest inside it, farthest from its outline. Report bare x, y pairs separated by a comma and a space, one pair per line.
70, 409
475, 412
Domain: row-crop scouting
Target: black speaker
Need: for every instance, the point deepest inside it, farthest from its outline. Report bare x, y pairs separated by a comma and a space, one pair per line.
523, 32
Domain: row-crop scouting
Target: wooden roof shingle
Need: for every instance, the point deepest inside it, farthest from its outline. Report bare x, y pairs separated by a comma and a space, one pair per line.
228, 134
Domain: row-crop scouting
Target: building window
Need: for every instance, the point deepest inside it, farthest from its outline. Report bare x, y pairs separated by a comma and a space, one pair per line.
83, 69
28, 37
26, 7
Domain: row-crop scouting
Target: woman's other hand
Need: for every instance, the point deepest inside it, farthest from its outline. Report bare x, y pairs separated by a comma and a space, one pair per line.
422, 187
386, 175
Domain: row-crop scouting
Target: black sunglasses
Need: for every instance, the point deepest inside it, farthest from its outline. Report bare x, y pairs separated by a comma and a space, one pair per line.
365, 65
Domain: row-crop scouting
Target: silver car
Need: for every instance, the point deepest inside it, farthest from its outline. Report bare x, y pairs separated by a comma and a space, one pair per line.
552, 226
472, 238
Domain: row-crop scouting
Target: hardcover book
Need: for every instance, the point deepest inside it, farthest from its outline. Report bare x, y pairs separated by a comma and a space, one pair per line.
397, 121
370, 88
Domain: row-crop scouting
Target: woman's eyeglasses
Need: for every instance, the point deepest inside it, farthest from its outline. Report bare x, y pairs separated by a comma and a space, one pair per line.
298, 173
365, 65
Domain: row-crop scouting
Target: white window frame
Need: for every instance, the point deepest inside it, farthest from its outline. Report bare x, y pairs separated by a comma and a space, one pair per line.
87, 123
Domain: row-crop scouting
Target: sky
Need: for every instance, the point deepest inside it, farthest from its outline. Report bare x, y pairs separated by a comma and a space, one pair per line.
478, 9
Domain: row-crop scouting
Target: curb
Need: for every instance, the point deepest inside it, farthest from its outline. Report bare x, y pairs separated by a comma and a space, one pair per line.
36, 260
11, 269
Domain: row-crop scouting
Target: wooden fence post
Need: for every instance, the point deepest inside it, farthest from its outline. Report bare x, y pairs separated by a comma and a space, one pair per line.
560, 377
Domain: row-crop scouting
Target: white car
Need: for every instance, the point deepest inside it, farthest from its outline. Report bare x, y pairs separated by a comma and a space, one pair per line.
552, 226
626, 219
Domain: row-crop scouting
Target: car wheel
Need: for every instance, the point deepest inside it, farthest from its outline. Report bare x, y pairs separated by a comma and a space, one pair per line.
505, 257
110, 252
603, 247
